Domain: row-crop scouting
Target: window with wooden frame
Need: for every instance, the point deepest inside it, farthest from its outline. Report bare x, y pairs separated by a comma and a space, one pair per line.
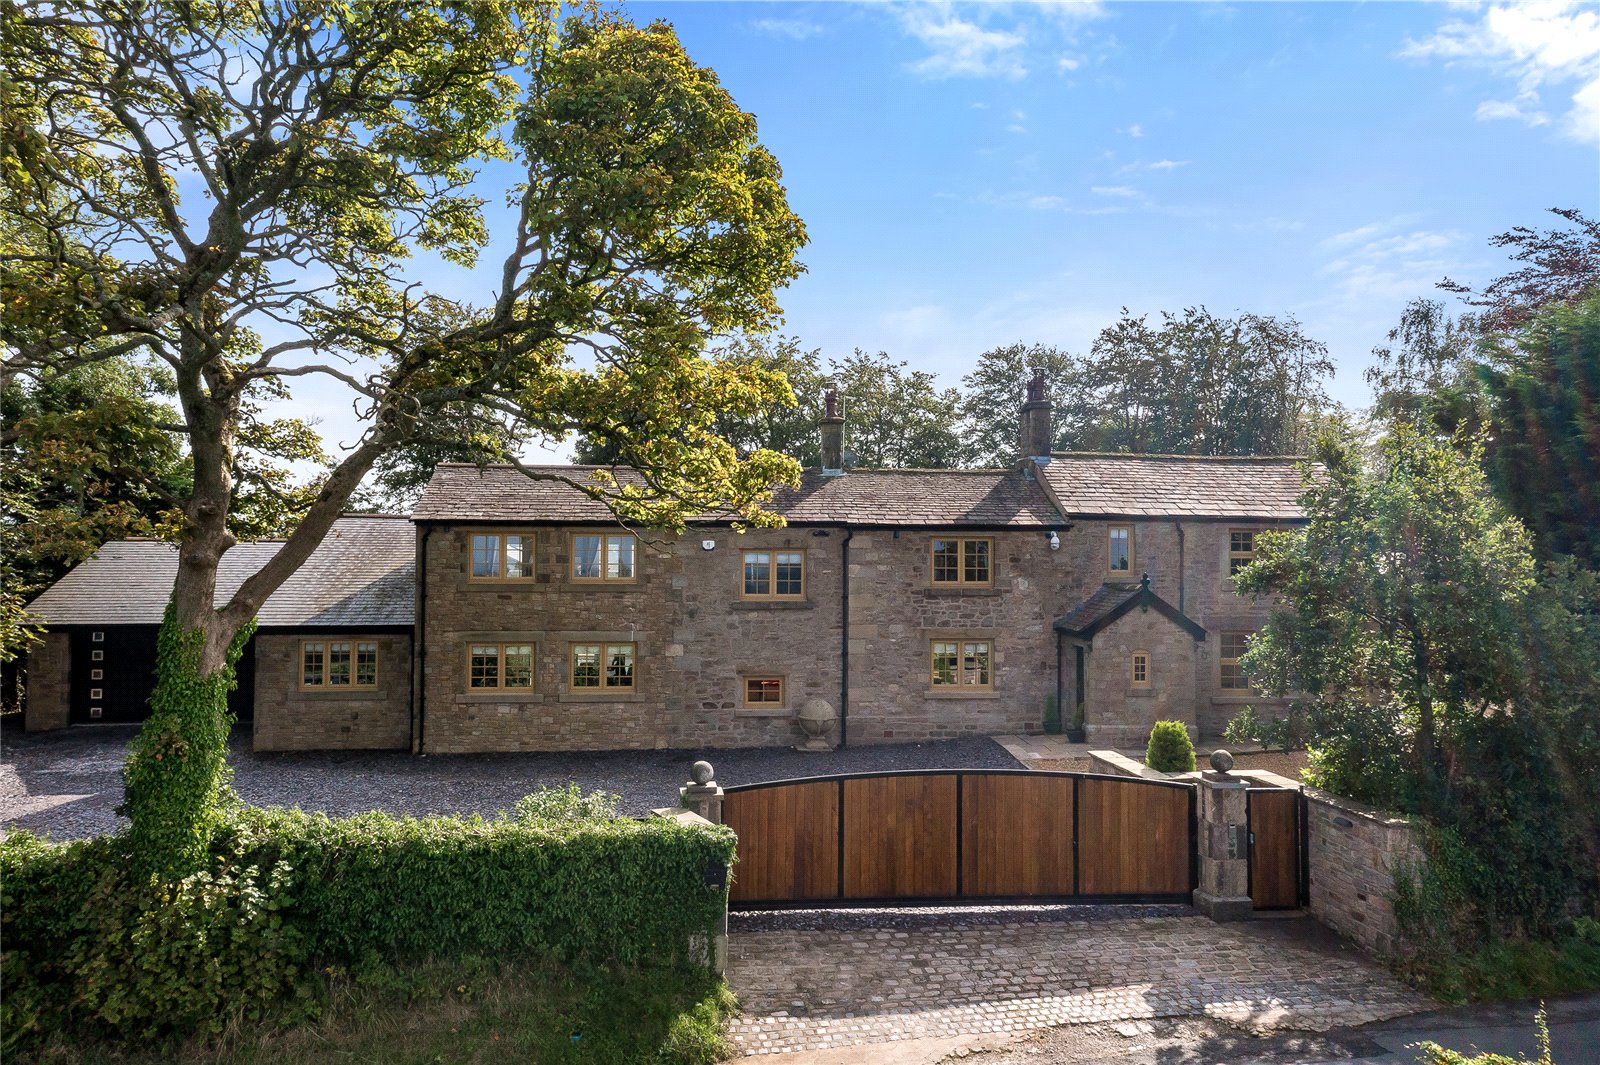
961, 664
501, 556
602, 666
774, 575
1233, 648
499, 667
1119, 549
764, 692
962, 562
602, 557
1139, 669
1241, 549
344, 664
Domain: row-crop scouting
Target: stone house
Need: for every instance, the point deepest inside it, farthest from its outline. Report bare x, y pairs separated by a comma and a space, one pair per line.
915, 604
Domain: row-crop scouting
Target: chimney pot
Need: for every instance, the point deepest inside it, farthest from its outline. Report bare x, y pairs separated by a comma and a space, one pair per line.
832, 435
1033, 435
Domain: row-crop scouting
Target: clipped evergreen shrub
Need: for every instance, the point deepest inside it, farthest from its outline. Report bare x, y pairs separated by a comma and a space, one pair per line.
91, 944
1170, 749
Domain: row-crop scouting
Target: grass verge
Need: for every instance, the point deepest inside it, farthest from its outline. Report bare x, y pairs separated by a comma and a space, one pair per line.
1516, 970
473, 1010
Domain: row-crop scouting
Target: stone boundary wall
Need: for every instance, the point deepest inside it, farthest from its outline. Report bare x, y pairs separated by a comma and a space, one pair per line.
1123, 766
1353, 852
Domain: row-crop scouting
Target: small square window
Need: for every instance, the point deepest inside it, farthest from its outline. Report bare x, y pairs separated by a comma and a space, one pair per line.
763, 691
98, 637
95, 693
96, 712
97, 655
97, 674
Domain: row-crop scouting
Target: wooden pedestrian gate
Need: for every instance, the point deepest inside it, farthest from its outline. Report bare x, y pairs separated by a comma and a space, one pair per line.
1276, 822
972, 835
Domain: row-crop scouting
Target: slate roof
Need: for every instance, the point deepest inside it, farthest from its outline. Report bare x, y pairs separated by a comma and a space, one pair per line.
885, 498
1091, 485
360, 575
1110, 601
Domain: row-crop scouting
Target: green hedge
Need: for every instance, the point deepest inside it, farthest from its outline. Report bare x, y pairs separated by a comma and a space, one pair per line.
90, 944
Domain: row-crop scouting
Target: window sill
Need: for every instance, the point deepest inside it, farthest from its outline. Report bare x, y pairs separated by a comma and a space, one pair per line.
582, 587
1241, 697
979, 693
599, 697
499, 697
763, 711
1141, 693
772, 604
956, 590
333, 695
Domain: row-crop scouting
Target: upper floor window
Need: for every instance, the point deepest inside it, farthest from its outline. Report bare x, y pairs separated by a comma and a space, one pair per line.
500, 666
602, 666
774, 575
1139, 669
602, 557
1119, 545
963, 561
962, 663
1233, 648
338, 664
1241, 549
497, 556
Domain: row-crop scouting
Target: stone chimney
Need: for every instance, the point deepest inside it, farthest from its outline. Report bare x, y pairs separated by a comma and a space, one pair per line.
1033, 435
832, 435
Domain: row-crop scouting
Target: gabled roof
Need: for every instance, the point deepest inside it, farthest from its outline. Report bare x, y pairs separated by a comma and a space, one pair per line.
885, 498
1112, 601
1097, 485
360, 575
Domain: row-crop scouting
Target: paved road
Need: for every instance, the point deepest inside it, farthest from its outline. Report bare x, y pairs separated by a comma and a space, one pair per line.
986, 976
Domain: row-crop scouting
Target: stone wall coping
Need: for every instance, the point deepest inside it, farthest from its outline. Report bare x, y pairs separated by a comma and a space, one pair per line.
680, 815
1122, 765
1372, 814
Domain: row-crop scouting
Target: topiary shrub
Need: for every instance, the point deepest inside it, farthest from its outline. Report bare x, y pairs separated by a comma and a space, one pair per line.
1170, 749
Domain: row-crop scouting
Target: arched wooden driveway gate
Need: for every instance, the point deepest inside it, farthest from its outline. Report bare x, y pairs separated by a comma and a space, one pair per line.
973, 835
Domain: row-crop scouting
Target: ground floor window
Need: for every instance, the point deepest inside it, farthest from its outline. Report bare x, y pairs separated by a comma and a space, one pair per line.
500, 667
338, 664
763, 691
603, 666
962, 663
1233, 648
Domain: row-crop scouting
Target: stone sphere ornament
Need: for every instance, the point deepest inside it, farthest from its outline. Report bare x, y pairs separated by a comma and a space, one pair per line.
1221, 760
702, 773
816, 719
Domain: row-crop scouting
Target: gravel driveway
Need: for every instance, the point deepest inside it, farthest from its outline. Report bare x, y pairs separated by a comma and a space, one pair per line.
67, 783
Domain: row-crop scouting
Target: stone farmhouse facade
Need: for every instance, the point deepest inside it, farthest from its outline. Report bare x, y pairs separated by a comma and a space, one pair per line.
513, 613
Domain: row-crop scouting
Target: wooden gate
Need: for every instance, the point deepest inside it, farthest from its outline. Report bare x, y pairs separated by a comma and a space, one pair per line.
961, 835
1276, 821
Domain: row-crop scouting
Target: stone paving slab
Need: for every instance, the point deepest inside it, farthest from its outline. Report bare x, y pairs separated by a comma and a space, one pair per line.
819, 989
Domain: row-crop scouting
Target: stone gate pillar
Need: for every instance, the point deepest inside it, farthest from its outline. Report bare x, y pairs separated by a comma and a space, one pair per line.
1224, 891
700, 800
703, 794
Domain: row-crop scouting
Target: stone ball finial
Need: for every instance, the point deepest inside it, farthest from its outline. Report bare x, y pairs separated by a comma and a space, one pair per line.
702, 773
1221, 760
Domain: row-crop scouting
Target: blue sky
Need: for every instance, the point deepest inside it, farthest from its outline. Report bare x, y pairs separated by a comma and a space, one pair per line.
977, 174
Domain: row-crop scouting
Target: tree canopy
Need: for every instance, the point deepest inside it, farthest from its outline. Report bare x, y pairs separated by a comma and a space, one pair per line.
234, 190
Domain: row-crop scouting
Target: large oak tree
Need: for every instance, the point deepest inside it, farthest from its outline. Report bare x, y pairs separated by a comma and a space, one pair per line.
234, 187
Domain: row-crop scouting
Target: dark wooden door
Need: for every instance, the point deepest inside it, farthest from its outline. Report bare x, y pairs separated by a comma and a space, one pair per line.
1275, 848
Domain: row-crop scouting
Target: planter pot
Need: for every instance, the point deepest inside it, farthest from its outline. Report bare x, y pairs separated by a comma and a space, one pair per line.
1077, 735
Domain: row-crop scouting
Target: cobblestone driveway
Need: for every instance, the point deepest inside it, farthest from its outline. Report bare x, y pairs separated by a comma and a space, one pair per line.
899, 978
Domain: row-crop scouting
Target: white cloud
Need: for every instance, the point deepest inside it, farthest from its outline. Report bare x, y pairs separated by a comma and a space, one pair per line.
1114, 190
1066, 64
959, 48
1370, 264
1544, 46
1159, 164
1135, 130
793, 28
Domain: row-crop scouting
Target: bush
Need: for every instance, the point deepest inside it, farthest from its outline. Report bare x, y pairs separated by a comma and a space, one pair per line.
91, 944
1170, 749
